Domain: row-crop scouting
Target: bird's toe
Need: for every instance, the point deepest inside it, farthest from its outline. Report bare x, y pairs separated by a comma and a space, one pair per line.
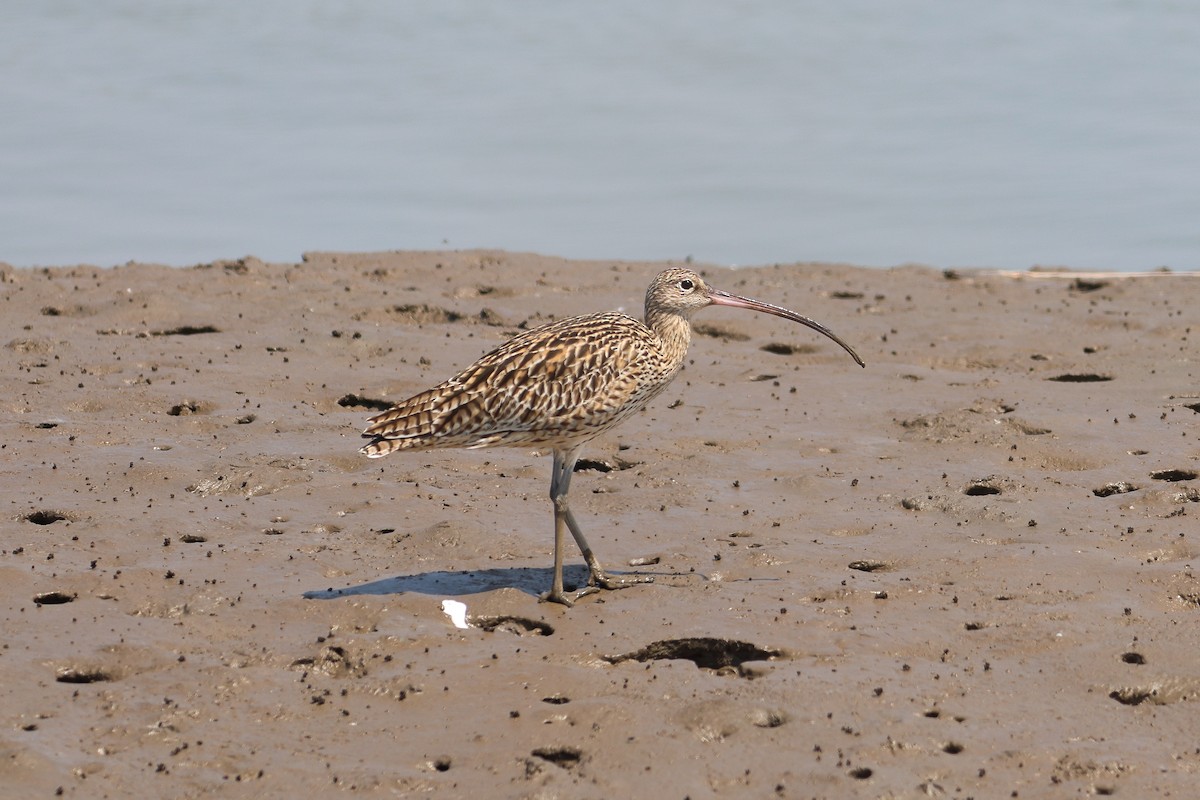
606, 581
556, 597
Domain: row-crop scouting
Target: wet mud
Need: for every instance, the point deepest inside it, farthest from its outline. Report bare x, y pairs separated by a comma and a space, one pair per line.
966, 570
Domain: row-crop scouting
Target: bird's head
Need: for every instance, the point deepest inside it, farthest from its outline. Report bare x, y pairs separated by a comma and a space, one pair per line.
678, 291
682, 292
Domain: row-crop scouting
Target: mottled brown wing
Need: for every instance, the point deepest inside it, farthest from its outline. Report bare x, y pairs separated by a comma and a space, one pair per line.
562, 382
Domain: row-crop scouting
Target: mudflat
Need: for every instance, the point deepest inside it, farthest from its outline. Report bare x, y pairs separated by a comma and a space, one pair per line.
966, 570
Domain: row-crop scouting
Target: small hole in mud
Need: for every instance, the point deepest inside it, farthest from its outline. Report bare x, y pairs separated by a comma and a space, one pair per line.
1174, 475
975, 626
53, 598
719, 333
1133, 658
565, 757
1118, 487
861, 773
45, 517
933, 713
82, 675
593, 465
1131, 696
358, 401
184, 409
784, 349
556, 700
1081, 377
521, 626
764, 718
1194, 407
442, 764
187, 330
980, 489
953, 748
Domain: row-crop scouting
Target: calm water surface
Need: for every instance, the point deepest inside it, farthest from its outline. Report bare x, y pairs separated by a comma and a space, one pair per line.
947, 133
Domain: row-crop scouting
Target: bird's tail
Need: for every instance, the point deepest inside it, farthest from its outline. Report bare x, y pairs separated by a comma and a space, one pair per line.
380, 447
408, 425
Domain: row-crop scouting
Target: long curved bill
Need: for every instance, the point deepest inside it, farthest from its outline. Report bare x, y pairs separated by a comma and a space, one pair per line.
720, 298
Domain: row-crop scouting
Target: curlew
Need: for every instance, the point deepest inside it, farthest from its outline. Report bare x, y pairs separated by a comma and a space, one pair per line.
560, 386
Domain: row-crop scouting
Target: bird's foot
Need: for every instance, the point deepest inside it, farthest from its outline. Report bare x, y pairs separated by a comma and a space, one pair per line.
602, 580
596, 582
566, 598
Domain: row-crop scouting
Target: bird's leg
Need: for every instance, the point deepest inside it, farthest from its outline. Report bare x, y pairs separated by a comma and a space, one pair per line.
560, 483
558, 491
597, 577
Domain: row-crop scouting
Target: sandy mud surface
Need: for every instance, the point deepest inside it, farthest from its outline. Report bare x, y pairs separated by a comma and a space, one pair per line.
967, 570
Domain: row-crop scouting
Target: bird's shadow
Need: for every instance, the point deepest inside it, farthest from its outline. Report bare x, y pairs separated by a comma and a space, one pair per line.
531, 580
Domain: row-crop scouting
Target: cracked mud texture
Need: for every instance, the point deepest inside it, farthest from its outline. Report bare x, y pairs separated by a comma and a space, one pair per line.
977, 556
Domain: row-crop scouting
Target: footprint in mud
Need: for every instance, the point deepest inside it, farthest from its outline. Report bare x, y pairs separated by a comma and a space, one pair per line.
720, 719
257, 476
54, 598
334, 662
785, 349
189, 407
867, 565
82, 675
981, 488
425, 314
976, 423
1080, 377
725, 656
566, 756
1132, 696
1085, 285
187, 330
991, 485
1175, 475
1163, 692
369, 403
718, 332
1119, 487
421, 313
767, 718
76, 310
521, 626
47, 517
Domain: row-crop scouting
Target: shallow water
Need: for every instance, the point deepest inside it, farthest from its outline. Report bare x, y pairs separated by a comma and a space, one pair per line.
1004, 135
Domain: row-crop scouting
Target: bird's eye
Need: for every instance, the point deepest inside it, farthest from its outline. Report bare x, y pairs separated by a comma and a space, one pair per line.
687, 285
